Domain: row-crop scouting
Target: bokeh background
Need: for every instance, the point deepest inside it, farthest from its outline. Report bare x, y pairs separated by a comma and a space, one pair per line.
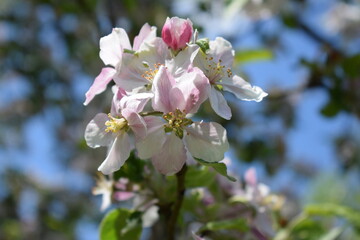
303, 139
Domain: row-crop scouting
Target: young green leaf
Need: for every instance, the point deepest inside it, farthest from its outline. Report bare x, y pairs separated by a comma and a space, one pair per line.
218, 167
121, 224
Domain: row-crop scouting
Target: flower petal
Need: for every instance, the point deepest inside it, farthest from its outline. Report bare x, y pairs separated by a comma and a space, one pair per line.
219, 104
100, 84
147, 33
172, 156
243, 90
154, 139
207, 141
95, 134
221, 49
135, 122
182, 62
118, 154
135, 102
112, 46
190, 91
163, 83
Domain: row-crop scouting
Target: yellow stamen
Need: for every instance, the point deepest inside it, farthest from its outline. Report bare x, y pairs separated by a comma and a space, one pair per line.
115, 124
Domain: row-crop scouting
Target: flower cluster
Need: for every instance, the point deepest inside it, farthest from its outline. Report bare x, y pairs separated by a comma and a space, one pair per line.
159, 84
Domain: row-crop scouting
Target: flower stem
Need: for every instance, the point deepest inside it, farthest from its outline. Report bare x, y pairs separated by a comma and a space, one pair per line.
180, 176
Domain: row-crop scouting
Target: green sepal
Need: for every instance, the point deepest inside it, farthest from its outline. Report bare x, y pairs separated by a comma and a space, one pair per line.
203, 44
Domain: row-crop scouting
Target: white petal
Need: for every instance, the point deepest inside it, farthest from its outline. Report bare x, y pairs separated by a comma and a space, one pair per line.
243, 90
135, 122
181, 63
118, 154
219, 104
147, 33
112, 46
100, 84
135, 102
95, 134
154, 139
150, 216
106, 200
172, 156
207, 141
221, 49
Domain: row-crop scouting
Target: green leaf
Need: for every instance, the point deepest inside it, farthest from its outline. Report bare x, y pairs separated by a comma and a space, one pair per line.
198, 177
352, 215
230, 224
253, 55
121, 224
132, 169
218, 167
203, 44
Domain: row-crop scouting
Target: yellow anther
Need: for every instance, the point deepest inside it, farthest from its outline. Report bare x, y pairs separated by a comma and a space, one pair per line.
115, 124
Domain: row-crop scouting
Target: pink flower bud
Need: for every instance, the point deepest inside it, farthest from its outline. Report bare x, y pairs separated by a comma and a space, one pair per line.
177, 32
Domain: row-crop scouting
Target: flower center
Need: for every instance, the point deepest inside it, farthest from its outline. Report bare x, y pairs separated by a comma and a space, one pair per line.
216, 71
176, 122
115, 125
150, 74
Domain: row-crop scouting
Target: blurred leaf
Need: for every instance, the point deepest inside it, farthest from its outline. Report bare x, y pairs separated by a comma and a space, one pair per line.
331, 109
231, 224
121, 224
351, 66
132, 169
218, 167
352, 215
253, 55
198, 177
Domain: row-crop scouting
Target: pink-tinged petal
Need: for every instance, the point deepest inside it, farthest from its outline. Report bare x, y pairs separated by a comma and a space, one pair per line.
163, 83
172, 156
100, 84
135, 102
119, 93
207, 141
189, 92
177, 32
135, 122
243, 90
154, 139
147, 33
95, 134
123, 196
250, 177
113, 45
219, 104
118, 154
221, 49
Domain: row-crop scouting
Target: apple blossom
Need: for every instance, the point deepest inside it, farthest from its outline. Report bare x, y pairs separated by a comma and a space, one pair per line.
216, 63
112, 49
111, 130
176, 134
177, 32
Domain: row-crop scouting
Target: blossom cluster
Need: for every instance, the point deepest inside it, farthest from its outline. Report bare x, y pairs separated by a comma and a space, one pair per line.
160, 83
